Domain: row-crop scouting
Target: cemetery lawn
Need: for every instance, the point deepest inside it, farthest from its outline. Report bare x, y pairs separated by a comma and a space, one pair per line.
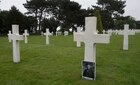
60, 62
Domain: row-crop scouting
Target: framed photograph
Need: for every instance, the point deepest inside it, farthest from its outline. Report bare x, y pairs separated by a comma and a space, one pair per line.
88, 70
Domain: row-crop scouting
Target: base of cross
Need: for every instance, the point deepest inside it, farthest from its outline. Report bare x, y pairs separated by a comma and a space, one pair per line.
88, 70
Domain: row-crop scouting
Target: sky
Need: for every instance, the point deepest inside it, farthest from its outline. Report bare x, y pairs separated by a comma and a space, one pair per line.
132, 6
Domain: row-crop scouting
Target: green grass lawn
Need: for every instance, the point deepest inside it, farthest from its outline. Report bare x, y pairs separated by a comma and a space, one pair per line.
60, 62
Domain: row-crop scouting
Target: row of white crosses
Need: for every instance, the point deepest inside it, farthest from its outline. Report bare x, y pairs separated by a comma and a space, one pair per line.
116, 32
66, 33
58, 33
25, 34
15, 38
137, 30
90, 38
113, 32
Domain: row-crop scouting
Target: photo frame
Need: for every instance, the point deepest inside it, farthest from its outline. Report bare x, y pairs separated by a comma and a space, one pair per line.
88, 70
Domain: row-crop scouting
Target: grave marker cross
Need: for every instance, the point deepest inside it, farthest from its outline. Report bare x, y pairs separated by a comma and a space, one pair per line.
126, 32
47, 36
66, 33
25, 36
9, 34
78, 41
15, 37
90, 38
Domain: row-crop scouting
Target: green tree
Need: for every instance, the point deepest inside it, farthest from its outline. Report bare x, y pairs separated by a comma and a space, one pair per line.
7, 18
51, 23
29, 23
110, 10
115, 7
37, 9
68, 14
99, 22
119, 23
137, 24
4, 22
15, 17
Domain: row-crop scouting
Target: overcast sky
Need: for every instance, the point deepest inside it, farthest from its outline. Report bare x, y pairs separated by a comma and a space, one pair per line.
132, 6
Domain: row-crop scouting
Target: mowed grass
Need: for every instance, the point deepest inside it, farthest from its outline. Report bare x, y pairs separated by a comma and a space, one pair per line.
60, 62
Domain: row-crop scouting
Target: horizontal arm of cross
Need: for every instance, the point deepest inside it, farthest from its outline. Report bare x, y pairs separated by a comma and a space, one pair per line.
26, 34
79, 36
101, 38
130, 32
47, 34
96, 38
16, 37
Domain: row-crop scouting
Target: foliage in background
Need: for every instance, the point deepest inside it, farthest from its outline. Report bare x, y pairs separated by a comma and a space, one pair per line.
50, 23
4, 24
119, 23
137, 24
37, 9
13, 16
110, 10
67, 14
99, 22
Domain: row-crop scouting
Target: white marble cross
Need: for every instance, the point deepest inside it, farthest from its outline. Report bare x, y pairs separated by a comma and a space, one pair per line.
25, 34
15, 37
110, 31
47, 36
42, 33
132, 32
66, 33
103, 31
137, 30
113, 32
78, 40
116, 32
90, 38
59, 33
125, 33
56, 33
9, 34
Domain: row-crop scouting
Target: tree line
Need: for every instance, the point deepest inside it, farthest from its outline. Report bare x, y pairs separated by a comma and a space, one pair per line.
42, 14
